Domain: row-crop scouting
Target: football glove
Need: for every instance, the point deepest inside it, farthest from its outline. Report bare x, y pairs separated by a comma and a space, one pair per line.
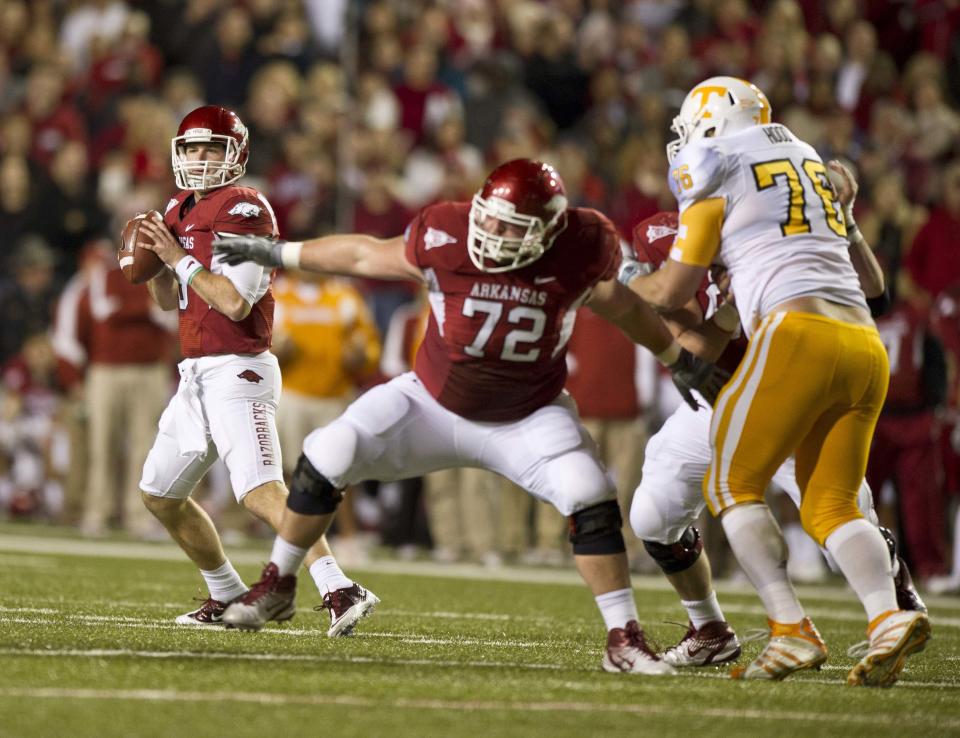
692, 373
630, 268
258, 249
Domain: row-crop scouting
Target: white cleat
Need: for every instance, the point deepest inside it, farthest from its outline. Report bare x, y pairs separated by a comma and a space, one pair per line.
208, 615
628, 652
347, 606
893, 637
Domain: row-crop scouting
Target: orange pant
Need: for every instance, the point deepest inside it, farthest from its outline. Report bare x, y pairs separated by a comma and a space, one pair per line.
808, 385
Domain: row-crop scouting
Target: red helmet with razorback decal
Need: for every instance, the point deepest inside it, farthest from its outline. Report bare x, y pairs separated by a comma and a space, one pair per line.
516, 215
210, 124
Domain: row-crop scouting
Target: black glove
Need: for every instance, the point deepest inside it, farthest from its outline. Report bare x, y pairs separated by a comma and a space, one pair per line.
258, 249
692, 373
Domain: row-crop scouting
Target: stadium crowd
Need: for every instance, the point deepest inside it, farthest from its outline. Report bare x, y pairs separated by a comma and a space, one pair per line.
362, 112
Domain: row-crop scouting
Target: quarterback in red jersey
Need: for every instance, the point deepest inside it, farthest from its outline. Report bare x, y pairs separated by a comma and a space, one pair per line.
226, 403
670, 496
505, 275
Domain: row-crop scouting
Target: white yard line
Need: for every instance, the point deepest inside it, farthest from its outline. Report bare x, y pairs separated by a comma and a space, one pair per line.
266, 698
103, 653
53, 617
169, 552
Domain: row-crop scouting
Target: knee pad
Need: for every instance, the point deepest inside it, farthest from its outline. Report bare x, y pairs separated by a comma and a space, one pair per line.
595, 530
673, 558
311, 493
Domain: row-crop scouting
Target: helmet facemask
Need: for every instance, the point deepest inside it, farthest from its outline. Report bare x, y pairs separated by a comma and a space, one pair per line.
206, 175
493, 253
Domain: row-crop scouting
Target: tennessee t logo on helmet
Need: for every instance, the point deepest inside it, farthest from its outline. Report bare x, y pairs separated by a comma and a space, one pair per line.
718, 106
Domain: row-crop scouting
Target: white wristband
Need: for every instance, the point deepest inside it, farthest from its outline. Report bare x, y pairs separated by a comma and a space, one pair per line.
670, 354
726, 318
290, 254
187, 268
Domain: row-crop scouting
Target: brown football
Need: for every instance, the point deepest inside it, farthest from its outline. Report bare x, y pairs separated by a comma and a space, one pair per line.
138, 264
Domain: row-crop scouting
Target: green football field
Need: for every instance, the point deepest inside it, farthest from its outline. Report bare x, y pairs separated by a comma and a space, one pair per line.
88, 648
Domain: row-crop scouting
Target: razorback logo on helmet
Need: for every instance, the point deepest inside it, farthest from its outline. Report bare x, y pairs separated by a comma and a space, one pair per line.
656, 232
250, 376
435, 238
245, 210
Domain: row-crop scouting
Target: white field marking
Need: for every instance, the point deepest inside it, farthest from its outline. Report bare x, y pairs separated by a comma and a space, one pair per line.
343, 658
121, 621
816, 613
527, 575
267, 698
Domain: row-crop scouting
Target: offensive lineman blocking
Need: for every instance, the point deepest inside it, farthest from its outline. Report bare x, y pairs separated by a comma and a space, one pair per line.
814, 376
669, 498
505, 276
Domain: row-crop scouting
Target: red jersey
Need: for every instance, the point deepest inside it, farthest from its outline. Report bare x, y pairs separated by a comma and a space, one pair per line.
495, 346
652, 241
117, 322
945, 320
902, 330
232, 209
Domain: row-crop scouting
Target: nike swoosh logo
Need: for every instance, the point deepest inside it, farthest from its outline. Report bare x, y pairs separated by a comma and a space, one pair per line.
543, 280
188, 228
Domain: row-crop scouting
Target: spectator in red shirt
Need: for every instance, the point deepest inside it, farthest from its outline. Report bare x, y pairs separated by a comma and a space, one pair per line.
127, 341
424, 101
906, 442
933, 262
53, 120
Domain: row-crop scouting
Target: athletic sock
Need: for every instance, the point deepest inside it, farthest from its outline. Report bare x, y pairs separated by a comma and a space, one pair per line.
286, 556
758, 544
224, 582
703, 611
863, 557
617, 608
328, 576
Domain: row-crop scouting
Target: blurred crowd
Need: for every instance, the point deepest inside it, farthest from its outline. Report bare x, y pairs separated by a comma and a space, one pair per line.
360, 112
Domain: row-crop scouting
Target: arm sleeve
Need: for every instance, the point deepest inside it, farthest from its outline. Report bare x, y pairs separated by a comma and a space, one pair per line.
251, 280
696, 179
246, 213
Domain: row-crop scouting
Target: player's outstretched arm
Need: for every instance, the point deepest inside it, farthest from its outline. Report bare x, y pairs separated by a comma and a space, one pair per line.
348, 254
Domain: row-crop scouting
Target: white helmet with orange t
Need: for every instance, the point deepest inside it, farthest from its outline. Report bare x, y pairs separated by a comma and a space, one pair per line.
718, 106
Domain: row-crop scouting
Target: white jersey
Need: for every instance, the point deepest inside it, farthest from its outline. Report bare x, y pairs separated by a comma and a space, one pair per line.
783, 234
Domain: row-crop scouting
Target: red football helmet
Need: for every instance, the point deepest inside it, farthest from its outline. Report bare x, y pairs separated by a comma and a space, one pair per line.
211, 123
516, 215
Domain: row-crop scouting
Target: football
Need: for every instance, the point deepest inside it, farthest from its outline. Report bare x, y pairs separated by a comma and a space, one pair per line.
138, 264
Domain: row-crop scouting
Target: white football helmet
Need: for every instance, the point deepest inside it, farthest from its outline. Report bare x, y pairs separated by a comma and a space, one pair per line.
723, 105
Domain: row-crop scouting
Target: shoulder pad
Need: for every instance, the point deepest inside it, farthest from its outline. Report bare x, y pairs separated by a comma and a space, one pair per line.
697, 172
245, 211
